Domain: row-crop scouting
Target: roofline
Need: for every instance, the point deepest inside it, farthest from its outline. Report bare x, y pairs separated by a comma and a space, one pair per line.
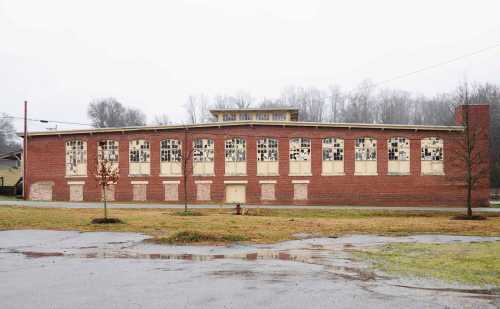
250, 123
256, 109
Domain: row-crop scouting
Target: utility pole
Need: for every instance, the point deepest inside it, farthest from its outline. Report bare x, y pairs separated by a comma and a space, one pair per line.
25, 149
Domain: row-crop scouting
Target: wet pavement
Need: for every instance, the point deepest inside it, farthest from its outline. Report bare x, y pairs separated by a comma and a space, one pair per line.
51, 269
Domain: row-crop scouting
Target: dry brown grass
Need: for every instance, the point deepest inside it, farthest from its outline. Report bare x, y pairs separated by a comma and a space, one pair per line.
261, 226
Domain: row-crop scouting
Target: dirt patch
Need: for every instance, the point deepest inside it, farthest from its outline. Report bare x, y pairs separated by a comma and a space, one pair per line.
106, 221
33, 254
185, 237
465, 217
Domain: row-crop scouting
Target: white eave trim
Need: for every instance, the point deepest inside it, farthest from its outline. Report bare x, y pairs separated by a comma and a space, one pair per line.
252, 122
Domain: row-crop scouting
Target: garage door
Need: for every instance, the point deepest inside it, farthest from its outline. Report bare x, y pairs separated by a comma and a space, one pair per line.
235, 193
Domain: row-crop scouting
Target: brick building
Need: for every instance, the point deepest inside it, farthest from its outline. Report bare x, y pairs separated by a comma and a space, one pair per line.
261, 156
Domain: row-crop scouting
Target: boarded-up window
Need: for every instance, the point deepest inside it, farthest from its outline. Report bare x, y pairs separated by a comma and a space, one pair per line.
41, 191
300, 156
333, 156
235, 154
203, 157
110, 192
267, 157
139, 191
203, 191
267, 191
76, 158
365, 156
75, 192
398, 149
170, 157
139, 157
108, 150
171, 190
432, 155
300, 191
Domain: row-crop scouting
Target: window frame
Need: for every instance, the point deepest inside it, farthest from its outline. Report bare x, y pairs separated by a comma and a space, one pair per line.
74, 153
168, 151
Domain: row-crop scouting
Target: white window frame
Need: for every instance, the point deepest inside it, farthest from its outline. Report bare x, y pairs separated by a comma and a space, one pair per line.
279, 116
365, 156
170, 157
267, 156
398, 155
76, 158
110, 152
139, 153
299, 156
235, 154
432, 156
262, 116
332, 156
229, 117
203, 156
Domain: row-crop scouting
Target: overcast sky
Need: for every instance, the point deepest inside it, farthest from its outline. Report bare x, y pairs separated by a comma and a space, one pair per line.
60, 55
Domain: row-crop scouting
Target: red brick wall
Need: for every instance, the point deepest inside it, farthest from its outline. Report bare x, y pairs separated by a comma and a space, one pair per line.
46, 161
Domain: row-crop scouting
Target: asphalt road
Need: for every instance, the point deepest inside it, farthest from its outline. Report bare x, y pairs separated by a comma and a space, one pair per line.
42, 204
53, 269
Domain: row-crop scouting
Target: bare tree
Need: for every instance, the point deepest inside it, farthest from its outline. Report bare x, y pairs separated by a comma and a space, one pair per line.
106, 176
197, 109
109, 112
162, 120
468, 155
8, 139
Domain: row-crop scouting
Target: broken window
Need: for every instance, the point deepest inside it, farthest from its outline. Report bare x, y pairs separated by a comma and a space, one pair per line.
262, 116
333, 149
139, 151
432, 149
267, 157
170, 150
76, 158
279, 116
235, 153
203, 150
245, 116
366, 149
267, 149
235, 150
300, 157
108, 150
432, 156
300, 149
229, 117
399, 149
139, 156
333, 157
365, 156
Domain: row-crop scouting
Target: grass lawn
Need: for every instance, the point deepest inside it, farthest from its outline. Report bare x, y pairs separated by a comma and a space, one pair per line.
7, 198
472, 263
260, 226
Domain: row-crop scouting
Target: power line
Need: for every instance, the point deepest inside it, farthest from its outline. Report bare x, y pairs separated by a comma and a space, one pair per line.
433, 66
46, 121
